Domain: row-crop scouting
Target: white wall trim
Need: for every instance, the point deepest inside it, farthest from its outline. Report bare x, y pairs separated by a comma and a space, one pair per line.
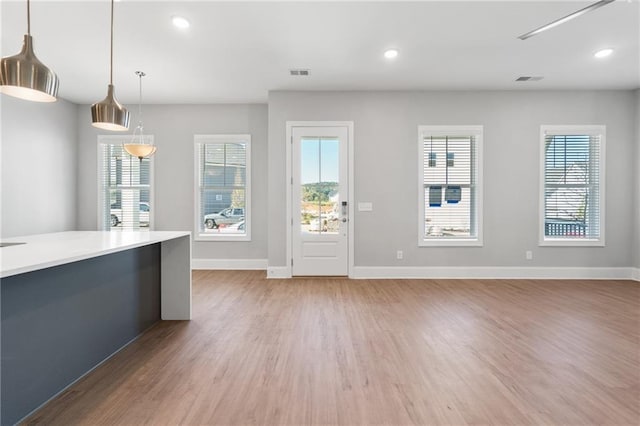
119, 140
278, 272
591, 130
198, 231
477, 190
442, 272
288, 182
471, 272
229, 264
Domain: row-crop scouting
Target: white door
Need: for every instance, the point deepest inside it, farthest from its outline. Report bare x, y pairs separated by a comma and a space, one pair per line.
320, 201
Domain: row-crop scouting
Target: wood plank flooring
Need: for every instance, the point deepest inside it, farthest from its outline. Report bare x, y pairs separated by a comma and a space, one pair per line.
373, 352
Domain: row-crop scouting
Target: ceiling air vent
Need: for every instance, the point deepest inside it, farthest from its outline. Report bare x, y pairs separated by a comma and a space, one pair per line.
528, 78
299, 72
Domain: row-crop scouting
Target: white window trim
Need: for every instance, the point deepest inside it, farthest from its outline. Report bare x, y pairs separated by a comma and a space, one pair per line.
119, 140
203, 139
477, 131
590, 130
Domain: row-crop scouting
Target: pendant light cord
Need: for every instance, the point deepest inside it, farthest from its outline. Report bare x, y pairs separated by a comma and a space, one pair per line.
140, 74
140, 126
111, 60
28, 17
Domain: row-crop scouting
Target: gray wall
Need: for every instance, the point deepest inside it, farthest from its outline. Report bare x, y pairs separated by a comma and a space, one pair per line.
39, 154
386, 126
39, 166
173, 127
636, 214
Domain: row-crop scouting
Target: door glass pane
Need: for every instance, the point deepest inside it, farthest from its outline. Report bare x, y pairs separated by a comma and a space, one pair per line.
319, 185
329, 180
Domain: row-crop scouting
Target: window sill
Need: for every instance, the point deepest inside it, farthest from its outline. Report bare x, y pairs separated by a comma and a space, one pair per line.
208, 237
564, 242
450, 243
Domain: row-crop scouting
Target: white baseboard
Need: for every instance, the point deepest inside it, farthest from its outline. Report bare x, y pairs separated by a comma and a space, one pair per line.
471, 272
229, 264
278, 272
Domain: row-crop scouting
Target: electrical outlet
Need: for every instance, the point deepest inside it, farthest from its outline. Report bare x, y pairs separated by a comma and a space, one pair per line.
528, 255
399, 255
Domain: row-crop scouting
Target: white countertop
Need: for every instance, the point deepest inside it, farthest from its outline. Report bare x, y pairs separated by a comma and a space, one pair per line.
47, 250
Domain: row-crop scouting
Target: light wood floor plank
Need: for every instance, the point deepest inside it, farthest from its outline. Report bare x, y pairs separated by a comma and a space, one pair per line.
375, 352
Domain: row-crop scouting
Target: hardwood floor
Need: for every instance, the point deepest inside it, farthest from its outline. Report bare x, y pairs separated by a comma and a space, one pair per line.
335, 351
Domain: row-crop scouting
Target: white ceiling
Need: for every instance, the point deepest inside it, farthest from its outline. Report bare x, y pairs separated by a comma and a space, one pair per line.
238, 51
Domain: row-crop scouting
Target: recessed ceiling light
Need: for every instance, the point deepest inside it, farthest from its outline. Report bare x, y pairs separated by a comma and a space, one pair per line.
603, 53
391, 53
180, 22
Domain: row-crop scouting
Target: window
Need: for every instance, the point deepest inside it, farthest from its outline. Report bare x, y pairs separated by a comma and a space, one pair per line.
432, 159
223, 187
572, 195
125, 186
450, 211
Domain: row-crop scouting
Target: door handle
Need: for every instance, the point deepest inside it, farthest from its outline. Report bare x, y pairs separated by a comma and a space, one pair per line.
344, 212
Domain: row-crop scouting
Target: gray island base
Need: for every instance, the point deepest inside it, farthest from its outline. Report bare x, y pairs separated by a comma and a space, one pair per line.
60, 322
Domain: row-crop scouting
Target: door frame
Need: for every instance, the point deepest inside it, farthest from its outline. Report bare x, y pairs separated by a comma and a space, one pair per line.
289, 183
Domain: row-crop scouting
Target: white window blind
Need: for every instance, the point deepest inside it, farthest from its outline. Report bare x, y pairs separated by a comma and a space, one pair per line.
222, 186
125, 187
449, 196
572, 190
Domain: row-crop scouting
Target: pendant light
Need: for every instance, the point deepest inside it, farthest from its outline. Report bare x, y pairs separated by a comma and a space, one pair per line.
109, 114
139, 149
24, 76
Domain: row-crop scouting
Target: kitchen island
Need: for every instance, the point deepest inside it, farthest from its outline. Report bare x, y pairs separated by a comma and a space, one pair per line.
71, 300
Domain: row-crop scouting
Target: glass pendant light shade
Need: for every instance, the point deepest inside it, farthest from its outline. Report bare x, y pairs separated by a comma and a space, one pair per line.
109, 114
24, 76
139, 149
